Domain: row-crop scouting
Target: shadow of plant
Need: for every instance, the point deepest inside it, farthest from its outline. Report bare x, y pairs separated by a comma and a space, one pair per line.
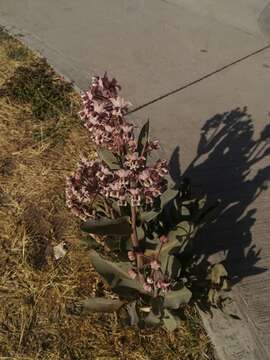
224, 168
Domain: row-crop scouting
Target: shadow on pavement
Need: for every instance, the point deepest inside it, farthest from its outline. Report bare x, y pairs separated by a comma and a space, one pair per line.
224, 168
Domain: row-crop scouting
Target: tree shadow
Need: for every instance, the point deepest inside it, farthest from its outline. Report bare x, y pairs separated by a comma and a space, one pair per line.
225, 168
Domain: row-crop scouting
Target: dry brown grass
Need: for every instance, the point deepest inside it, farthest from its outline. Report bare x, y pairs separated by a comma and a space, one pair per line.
38, 295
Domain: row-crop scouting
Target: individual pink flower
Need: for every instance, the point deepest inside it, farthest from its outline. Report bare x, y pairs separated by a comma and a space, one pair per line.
145, 178
123, 177
134, 161
135, 197
120, 105
132, 145
161, 167
163, 239
155, 264
115, 189
98, 108
147, 287
153, 145
151, 194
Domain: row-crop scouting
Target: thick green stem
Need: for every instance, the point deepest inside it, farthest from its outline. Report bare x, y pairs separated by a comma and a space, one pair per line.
134, 237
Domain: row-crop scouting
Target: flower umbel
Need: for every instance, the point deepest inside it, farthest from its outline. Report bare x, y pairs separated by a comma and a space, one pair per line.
103, 115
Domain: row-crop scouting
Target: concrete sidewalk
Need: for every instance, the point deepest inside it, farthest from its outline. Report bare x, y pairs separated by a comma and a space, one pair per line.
192, 67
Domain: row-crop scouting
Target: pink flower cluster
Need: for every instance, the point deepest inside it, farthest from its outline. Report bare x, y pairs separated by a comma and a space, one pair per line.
103, 114
135, 183
84, 185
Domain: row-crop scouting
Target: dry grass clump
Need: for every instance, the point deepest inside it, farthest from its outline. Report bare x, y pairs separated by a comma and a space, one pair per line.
39, 295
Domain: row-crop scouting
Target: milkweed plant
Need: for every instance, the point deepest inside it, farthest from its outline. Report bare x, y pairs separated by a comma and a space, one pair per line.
141, 224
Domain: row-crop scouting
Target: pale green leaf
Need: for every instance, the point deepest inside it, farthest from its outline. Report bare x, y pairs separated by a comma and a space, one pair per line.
170, 322
109, 158
147, 216
132, 312
168, 196
151, 319
183, 229
140, 232
116, 275
174, 298
105, 226
143, 137
218, 272
213, 296
173, 267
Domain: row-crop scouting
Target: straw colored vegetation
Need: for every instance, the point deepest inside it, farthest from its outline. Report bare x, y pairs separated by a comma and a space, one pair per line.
41, 139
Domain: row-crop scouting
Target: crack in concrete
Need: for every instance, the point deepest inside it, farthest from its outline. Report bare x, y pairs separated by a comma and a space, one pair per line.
204, 77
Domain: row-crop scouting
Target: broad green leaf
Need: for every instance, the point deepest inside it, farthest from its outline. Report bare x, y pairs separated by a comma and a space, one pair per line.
112, 242
168, 248
187, 203
202, 202
129, 284
178, 239
151, 319
116, 275
147, 216
109, 158
165, 198
213, 296
143, 137
105, 226
140, 233
185, 210
132, 312
157, 304
116, 207
205, 215
225, 285
126, 244
174, 298
90, 242
218, 272
170, 321
168, 196
183, 229
100, 304
174, 246
111, 272
100, 209
173, 267
167, 257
